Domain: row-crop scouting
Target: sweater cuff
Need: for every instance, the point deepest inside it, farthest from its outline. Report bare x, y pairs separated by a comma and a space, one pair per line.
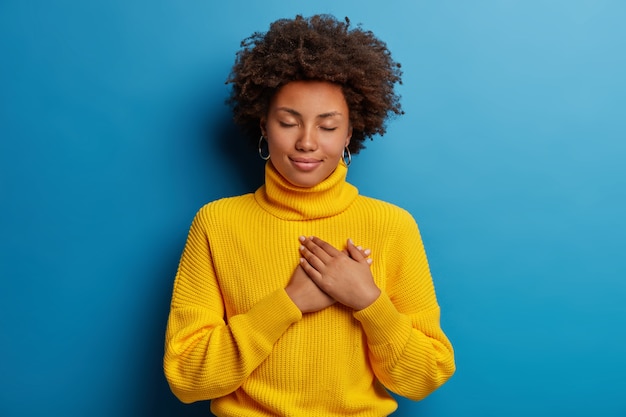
383, 323
271, 316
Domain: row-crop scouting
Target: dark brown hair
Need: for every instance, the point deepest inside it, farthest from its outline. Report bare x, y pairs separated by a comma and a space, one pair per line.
317, 48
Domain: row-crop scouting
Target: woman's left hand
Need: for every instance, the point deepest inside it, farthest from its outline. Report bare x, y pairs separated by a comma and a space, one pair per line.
343, 275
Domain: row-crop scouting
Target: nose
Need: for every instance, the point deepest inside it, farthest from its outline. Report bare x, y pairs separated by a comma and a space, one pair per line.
307, 140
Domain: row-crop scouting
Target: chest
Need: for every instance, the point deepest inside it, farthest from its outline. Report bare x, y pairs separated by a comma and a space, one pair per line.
255, 257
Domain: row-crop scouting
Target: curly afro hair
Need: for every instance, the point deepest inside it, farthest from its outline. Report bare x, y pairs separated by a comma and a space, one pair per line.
318, 48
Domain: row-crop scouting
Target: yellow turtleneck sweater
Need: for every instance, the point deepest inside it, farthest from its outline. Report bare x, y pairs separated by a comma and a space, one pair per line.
234, 336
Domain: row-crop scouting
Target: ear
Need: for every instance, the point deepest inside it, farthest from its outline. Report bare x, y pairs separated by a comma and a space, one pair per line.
349, 136
262, 124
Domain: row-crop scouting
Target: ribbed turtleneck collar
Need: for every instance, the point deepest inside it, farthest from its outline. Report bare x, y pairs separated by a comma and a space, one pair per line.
288, 202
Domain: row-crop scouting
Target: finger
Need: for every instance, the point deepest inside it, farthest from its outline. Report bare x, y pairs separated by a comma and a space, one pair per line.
313, 259
355, 252
310, 270
365, 252
319, 248
358, 253
325, 246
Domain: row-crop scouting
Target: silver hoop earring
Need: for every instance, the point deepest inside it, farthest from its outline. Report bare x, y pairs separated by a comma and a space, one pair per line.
347, 157
263, 157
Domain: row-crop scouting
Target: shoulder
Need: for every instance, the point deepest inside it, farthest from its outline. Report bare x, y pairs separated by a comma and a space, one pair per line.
393, 227
382, 210
224, 208
228, 202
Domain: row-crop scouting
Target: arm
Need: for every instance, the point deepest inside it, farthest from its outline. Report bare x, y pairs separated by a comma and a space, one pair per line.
409, 352
205, 357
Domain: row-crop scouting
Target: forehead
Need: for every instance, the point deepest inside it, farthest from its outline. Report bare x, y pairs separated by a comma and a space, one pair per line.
310, 97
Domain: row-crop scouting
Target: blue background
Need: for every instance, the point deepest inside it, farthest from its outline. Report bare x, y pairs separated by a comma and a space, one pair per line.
113, 132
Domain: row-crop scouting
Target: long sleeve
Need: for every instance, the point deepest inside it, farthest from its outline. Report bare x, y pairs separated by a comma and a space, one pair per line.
409, 352
205, 357
235, 337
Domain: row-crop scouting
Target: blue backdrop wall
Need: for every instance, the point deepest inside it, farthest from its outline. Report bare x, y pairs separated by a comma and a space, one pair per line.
113, 132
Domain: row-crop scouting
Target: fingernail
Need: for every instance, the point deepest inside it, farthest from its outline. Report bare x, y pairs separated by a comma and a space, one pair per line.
369, 261
359, 247
351, 242
301, 247
302, 238
367, 251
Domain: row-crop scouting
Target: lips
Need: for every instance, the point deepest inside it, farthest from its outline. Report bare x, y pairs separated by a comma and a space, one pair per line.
305, 164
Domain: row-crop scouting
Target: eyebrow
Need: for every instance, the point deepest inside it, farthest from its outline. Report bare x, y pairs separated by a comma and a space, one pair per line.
320, 116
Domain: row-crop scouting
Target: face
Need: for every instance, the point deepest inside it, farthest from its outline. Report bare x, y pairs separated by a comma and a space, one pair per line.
307, 128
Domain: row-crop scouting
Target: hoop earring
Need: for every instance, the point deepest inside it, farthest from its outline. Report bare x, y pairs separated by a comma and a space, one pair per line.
347, 157
263, 157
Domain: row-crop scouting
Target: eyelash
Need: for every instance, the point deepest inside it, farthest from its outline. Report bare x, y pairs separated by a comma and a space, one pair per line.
327, 129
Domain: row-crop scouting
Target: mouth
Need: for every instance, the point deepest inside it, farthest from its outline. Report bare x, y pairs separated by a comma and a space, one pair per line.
305, 164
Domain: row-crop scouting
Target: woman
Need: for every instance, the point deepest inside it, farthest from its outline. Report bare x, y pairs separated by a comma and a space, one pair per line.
276, 311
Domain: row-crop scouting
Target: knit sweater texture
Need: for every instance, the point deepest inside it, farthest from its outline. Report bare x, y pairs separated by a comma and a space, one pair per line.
235, 337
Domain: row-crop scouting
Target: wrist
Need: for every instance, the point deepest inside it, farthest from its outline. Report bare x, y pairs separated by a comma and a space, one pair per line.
368, 300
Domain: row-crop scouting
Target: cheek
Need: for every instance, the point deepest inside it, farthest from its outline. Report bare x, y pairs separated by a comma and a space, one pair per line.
341, 143
335, 151
278, 144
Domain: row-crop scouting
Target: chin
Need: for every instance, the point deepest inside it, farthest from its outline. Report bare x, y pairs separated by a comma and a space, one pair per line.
303, 184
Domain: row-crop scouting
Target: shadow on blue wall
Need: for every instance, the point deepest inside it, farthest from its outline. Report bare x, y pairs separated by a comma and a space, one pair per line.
243, 171
156, 398
241, 157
